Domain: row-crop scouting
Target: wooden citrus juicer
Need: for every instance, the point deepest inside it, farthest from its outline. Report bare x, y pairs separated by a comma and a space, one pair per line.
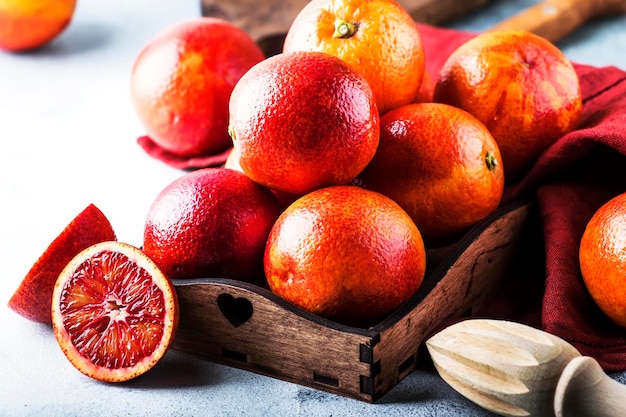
516, 370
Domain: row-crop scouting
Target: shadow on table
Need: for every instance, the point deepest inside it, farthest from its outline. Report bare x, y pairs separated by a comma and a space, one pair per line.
79, 37
176, 371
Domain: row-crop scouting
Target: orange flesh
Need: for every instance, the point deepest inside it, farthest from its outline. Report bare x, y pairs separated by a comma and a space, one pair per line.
114, 322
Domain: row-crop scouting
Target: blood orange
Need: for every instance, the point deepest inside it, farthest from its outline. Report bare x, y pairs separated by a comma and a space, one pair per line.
211, 222
302, 121
441, 165
30, 24
602, 257
32, 298
347, 254
378, 38
114, 313
522, 87
181, 82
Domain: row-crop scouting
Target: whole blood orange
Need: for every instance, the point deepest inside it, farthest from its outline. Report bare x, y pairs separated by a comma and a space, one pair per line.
182, 80
522, 87
345, 253
376, 37
212, 222
114, 313
33, 296
302, 121
29, 24
602, 258
441, 165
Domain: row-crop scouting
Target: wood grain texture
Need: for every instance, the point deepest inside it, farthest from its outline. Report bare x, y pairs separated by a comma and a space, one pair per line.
280, 340
505, 367
267, 22
258, 18
436, 12
277, 340
516, 370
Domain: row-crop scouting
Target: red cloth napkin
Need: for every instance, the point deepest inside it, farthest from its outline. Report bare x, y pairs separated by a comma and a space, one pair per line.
570, 181
186, 163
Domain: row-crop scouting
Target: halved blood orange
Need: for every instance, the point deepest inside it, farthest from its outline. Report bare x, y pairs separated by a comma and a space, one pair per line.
32, 297
114, 313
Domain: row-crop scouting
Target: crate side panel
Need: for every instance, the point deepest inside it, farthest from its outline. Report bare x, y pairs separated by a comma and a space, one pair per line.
472, 280
271, 341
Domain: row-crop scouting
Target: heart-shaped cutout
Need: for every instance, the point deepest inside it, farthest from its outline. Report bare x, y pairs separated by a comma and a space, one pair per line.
236, 310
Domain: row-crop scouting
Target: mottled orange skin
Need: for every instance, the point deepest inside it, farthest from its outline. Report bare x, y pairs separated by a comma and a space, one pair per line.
346, 254
602, 257
32, 299
211, 223
386, 47
432, 160
520, 86
29, 24
114, 313
302, 121
182, 80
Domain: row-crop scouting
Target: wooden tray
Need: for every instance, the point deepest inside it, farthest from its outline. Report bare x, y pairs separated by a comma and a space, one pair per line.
248, 327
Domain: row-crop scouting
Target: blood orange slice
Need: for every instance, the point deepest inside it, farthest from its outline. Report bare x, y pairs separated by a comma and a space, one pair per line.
32, 297
114, 313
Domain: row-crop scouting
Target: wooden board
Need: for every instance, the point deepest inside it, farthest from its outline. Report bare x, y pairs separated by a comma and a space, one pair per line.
267, 22
248, 327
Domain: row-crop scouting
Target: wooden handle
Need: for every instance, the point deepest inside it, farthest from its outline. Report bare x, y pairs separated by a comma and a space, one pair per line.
555, 19
585, 390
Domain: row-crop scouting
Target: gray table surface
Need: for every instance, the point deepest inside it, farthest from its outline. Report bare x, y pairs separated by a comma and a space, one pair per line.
68, 139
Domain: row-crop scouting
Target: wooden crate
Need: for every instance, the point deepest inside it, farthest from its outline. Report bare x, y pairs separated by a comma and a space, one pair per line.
248, 327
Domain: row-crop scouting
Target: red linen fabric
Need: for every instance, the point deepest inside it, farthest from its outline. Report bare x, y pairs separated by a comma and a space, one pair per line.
570, 181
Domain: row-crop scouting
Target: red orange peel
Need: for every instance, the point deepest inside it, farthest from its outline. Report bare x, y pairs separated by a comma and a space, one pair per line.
114, 313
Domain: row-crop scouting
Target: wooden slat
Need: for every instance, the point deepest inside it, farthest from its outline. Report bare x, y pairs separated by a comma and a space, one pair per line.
277, 340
